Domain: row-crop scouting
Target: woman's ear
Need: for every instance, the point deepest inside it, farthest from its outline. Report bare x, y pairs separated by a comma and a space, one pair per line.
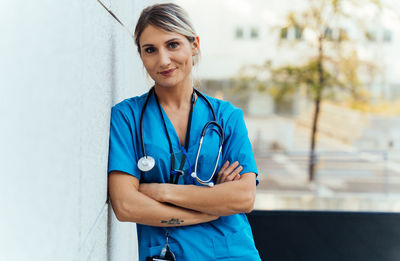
196, 46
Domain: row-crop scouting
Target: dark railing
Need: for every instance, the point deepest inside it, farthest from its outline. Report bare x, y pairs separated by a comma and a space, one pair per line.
326, 235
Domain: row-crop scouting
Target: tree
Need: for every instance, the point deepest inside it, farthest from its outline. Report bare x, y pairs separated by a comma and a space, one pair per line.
332, 65
321, 83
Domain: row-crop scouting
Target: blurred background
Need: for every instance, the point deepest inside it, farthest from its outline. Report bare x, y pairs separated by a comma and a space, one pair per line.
318, 82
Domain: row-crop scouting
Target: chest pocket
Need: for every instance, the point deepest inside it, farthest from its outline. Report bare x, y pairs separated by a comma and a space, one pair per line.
162, 169
208, 155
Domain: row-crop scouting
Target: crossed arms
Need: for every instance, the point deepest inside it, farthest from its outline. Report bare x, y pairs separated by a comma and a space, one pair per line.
164, 205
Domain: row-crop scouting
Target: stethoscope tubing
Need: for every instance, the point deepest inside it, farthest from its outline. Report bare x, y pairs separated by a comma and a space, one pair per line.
220, 132
205, 182
141, 122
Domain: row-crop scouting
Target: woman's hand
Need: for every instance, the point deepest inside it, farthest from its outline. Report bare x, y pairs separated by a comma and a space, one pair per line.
229, 173
157, 191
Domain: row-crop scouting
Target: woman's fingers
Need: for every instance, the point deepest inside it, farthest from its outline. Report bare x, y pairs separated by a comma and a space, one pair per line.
231, 168
226, 164
223, 168
237, 177
223, 173
233, 174
229, 173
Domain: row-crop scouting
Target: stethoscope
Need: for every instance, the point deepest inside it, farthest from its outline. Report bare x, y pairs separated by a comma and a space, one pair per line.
147, 162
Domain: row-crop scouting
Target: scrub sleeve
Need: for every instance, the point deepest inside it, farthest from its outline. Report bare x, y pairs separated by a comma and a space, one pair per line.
237, 146
122, 152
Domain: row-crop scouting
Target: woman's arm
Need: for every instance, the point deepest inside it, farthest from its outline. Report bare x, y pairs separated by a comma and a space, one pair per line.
133, 206
223, 199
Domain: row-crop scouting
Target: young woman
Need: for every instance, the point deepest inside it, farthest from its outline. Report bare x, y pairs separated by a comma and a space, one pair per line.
154, 151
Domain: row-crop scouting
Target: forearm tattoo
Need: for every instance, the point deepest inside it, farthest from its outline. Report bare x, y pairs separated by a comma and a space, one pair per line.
172, 221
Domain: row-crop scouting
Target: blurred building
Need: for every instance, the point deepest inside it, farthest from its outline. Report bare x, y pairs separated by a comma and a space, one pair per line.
234, 33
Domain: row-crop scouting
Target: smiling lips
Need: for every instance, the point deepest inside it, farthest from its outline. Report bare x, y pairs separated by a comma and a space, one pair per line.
167, 72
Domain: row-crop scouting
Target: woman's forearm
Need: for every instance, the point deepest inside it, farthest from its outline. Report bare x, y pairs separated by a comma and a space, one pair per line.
145, 210
223, 199
130, 205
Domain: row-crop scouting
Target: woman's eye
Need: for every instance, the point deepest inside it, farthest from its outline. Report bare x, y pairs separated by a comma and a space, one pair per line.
173, 45
149, 50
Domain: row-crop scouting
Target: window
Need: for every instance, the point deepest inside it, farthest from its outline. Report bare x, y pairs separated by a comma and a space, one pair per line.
298, 33
291, 33
254, 33
284, 33
387, 36
247, 32
239, 33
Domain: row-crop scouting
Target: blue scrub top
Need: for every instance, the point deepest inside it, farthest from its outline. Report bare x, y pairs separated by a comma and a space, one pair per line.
227, 238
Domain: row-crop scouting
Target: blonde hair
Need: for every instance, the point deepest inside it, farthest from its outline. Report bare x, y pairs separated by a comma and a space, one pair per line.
168, 17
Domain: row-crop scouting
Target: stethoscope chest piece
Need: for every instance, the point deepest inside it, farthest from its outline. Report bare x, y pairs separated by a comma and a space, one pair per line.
146, 163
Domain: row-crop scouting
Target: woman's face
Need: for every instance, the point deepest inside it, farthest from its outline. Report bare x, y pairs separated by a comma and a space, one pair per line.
167, 56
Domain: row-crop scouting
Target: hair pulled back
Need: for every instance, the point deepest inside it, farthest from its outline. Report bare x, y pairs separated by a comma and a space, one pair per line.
168, 17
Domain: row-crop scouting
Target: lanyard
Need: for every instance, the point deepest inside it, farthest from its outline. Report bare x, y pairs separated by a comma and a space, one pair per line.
177, 172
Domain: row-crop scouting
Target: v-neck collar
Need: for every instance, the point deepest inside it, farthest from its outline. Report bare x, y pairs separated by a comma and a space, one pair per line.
170, 127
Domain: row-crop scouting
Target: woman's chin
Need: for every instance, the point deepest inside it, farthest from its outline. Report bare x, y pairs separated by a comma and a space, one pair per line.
169, 83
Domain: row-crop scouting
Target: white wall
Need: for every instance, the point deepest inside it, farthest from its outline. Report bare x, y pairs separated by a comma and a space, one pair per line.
128, 81
63, 65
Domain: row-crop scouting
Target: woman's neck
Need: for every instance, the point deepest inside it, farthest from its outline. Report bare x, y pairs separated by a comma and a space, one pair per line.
175, 97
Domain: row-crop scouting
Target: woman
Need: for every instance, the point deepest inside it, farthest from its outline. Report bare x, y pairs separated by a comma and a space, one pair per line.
197, 220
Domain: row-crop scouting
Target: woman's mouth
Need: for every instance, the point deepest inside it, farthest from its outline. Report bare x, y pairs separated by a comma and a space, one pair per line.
167, 73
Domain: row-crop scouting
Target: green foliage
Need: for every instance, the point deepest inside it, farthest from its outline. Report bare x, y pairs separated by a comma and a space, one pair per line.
331, 74
286, 80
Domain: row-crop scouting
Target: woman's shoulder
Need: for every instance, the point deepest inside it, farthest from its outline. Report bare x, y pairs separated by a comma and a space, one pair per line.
131, 105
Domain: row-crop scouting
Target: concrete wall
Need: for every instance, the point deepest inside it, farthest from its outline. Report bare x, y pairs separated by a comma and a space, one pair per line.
63, 65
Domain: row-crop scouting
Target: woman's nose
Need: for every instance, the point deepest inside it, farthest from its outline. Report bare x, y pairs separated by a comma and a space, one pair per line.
164, 58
